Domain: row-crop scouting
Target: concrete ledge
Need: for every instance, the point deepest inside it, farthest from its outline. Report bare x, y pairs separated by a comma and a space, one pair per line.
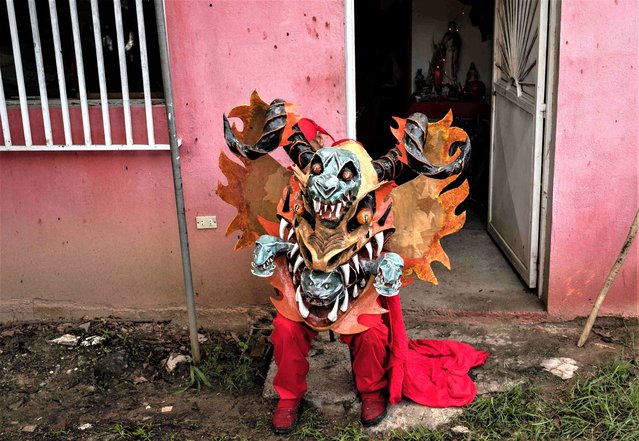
217, 319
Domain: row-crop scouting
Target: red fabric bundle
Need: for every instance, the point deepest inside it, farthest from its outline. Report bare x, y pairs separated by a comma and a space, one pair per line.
433, 373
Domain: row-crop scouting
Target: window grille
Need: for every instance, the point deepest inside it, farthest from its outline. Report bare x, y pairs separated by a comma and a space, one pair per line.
58, 56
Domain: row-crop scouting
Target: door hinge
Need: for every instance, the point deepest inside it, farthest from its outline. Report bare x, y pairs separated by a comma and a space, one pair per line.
542, 109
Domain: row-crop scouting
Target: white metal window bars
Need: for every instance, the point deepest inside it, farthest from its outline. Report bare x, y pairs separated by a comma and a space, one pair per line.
69, 144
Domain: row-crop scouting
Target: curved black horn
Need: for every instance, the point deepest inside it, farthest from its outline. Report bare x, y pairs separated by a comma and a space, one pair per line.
297, 147
389, 167
274, 123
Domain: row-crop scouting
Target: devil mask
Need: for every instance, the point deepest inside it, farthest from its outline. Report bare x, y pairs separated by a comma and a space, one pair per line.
336, 242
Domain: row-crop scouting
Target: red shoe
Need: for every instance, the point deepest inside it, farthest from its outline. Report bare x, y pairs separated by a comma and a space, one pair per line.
285, 416
373, 409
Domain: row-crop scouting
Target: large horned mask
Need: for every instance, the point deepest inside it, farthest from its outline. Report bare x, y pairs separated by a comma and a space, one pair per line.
330, 251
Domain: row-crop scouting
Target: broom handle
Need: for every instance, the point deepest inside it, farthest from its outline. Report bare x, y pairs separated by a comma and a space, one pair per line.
611, 278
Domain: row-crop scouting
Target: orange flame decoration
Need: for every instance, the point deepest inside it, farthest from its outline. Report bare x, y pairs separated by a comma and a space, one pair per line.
423, 215
253, 186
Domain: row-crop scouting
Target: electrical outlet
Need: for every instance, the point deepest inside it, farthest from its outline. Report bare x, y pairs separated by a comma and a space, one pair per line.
205, 222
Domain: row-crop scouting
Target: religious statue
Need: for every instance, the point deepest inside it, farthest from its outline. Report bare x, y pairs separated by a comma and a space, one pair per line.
451, 42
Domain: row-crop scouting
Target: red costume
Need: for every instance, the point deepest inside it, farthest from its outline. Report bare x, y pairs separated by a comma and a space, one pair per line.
430, 372
345, 238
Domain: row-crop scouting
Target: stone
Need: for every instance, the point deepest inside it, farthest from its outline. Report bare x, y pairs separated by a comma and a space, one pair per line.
85, 426
562, 367
66, 340
406, 414
29, 428
171, 363
92, 341
111, 365
330, 379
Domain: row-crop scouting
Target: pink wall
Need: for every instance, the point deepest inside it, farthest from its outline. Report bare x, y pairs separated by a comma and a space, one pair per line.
595, 188
91, 233
220, 52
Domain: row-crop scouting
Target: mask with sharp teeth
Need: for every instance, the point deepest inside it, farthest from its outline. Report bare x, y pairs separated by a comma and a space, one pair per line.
334, 180
327, 255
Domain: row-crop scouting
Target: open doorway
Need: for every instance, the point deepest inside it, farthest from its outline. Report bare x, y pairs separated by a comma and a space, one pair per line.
431, 57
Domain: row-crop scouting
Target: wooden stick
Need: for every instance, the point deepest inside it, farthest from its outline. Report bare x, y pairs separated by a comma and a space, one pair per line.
611, 278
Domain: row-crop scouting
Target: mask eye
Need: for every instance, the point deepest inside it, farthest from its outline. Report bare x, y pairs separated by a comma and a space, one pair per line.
326, 286
346, 174
317, 168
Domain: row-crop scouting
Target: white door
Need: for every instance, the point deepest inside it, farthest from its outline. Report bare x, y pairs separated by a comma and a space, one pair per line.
519, 71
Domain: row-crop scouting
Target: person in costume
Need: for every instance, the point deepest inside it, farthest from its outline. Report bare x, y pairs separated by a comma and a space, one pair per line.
344, 239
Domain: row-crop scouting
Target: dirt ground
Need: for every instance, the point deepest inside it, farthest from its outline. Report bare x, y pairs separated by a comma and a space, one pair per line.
121, 387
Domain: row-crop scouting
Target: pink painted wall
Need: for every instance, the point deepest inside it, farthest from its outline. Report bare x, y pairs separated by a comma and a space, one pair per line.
220, 52
96, 232
595, 188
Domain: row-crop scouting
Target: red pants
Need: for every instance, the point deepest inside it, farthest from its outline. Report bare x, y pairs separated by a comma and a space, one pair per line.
292, 341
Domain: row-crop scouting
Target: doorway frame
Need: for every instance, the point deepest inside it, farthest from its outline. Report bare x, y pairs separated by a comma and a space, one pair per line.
549, 125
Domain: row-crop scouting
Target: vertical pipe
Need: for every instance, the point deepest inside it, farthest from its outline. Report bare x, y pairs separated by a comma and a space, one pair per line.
124, 79
77, 47
349, 49
99, 56
64, 105
37, 48
144, 61
4, 118
17, 58
177, 178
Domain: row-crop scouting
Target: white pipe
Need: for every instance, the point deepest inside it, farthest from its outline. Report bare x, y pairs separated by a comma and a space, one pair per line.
17, 58
64, 105
99, 55
144, 62
124, 80
4, 117
77, 47
37, 48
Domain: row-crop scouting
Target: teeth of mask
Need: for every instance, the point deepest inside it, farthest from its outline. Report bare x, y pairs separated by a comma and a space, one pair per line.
332, 316
369, 248
355, 292
298, 262
316, 205
290, 234
355, 261
283, 225
298, 293
338, 209
379, 241
302, 307
344, 306
346, 272
296, 247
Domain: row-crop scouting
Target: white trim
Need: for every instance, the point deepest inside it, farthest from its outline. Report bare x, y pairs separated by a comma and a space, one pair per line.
349, 49
552, 68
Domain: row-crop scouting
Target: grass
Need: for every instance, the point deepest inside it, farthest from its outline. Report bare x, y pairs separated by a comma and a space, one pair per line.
604, 406
137, 433
229, 363
232, 366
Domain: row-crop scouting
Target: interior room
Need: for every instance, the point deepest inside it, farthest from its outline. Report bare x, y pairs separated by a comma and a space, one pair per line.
431, 57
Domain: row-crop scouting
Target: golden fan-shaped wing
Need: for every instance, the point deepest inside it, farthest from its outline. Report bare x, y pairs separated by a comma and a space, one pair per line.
423, 214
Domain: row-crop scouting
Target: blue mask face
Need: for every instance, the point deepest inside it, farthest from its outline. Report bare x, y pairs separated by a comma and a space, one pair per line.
333, 183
